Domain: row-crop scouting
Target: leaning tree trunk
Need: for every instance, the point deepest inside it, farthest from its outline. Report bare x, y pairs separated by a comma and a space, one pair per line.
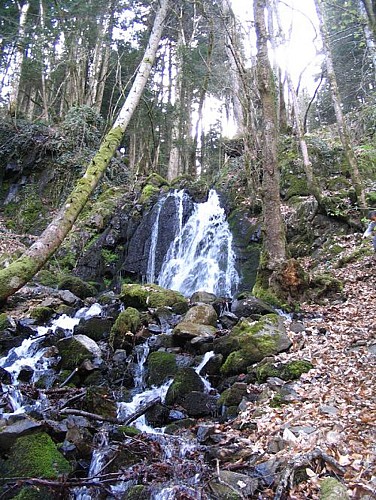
343, 130
19, 272
274, 244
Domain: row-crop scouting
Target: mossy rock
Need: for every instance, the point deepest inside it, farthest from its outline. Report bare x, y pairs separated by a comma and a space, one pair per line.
125, 325
332, 489
128, 430
77, 286
324, 284
185, 381
74, 350
47, 278
149, 192
100, 400
202, 314
297, 186
4, 321
41, 314
152, 296
156, 180
292, 370
36, 455
252, 341
161, 366
233, 395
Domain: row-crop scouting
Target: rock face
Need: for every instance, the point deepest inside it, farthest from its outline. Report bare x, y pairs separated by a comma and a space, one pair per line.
74, 350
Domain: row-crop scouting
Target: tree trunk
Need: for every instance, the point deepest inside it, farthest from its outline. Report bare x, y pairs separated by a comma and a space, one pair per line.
19, 57
370, 8
274, 244
19, 272
341, 121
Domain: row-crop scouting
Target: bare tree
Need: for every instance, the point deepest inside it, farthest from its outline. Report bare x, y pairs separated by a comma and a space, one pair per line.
341, 120
19, 272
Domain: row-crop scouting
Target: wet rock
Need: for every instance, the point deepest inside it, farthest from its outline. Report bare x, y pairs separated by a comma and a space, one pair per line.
228, 320
70, 298
5, 376
26, 374
81, 438
161, 366
158, 416
194, 332
95, 328
74, 350
185, 381
199, 404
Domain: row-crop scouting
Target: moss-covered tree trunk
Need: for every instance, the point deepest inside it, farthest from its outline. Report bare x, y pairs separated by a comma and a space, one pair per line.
19, 272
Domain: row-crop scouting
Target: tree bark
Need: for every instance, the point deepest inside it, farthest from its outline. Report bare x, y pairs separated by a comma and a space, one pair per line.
343, 130
19, 272
274, 244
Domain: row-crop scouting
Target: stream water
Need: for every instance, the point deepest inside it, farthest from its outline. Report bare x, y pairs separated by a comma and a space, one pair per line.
200, 257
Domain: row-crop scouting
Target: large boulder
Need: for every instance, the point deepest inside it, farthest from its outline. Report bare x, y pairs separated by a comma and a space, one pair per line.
248, 306
251, 341
153, 296
185, 381
203, 314
161, 366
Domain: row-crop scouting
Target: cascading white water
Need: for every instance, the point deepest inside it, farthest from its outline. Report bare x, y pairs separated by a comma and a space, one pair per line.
201, 256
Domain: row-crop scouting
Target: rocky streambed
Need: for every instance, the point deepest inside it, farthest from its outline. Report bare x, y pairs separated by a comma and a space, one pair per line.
138, 395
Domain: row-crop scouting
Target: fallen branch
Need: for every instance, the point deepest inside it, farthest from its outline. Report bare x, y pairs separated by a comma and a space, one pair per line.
303, 460
113, 420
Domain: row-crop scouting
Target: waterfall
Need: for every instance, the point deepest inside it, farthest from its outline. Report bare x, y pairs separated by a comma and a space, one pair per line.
200, 256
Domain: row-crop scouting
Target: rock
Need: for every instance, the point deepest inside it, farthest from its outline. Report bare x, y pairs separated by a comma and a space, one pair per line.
250, 342
77, 286
204, 297
74, 350
185, 381
199, 404
194, 332
122, 332
69, 298
152, 296
161, 366
202, 314
204, 432
232, 485
228, 320
249, 306
233, 395
36, 455
5, 376
95, 328
332, 489
23, 427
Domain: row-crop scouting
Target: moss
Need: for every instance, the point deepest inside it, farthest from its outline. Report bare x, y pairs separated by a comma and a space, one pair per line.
16, 275
41, 313
186, 380
128, 430
34, 493
108, 256
128, 320
36, 455
72, 352
152, 296
297, 187
77, 286
161, 366
156, 180
47, 278
4, 321
332, 489
137, 492
148, 192
325, 284
291, 370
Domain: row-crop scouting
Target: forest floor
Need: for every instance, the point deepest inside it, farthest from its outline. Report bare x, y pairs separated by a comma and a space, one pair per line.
330, 428
335, 411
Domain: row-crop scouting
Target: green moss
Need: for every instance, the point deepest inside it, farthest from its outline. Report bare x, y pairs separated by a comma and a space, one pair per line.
156, 180
108, 256
332, 489
148, 192
34, 493
161, 366
185, 381
152, 296
41, 314
137, 492
128, 430
4, 321
36, 456
77, 286
291, 370
128, 320
47, 278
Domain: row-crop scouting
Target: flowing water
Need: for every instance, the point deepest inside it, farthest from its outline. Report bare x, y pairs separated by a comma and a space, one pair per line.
201, 256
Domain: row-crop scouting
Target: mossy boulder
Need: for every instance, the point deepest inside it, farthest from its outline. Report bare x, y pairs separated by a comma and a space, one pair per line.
36, 455
41, 314
185, 381
161, 366
96, 328
152, 296
156, 180
250, 342
202, 314
77, 286
74, 350
125, 326
148, 193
